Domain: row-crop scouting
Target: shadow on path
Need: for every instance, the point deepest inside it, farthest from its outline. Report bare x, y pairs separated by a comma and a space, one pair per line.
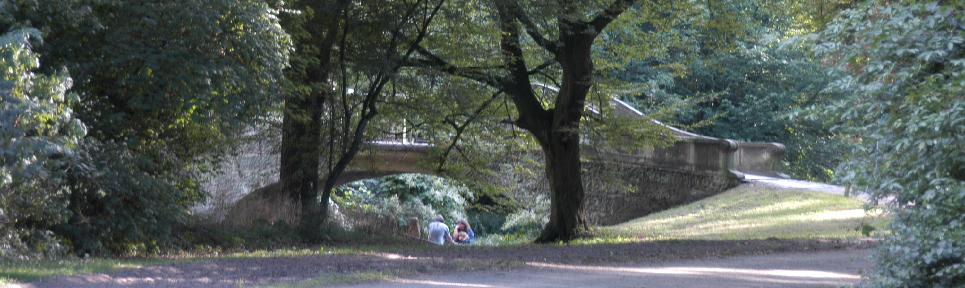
815, 269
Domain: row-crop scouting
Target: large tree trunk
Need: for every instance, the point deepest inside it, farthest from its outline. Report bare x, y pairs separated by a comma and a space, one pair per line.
564, 171
300, 153
562, 146
302, 123
556, 129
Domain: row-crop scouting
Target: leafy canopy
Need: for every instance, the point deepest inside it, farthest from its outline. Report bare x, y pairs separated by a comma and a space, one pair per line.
745, 89
170, 79
38, 137
902, 68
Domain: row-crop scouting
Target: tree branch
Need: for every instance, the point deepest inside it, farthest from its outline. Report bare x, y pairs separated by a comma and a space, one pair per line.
539, 69
431, 60
462, 128
616, 8
531, 29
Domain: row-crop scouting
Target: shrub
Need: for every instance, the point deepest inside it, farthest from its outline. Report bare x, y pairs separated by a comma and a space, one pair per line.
399, 197
38, 137
903, 67
116, 205
98, 197
531, 219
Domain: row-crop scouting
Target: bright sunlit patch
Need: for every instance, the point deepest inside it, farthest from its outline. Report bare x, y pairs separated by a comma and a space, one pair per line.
446, 284
836, 215
707, 271
782, 206
393, 256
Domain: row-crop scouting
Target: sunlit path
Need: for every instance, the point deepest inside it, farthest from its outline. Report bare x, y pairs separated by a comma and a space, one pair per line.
818, 269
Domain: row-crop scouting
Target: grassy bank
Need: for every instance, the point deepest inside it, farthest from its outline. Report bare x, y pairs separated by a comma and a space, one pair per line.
26, 271
755, 211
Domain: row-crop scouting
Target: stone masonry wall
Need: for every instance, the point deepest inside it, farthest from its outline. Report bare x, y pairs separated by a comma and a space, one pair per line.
621, 192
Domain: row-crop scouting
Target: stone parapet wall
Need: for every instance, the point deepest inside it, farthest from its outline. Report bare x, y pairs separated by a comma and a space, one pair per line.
760, 158
624, 186
633, 191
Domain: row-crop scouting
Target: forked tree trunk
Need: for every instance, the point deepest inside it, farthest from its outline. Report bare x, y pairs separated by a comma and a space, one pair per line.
301, 128
562, 146
556, 129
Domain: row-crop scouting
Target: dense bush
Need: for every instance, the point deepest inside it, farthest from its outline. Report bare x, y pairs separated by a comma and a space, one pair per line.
38, 139
57, 186
400, 197
903, 71
115, 205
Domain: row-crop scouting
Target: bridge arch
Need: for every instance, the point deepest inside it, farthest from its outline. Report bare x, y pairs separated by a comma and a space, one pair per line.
694, 167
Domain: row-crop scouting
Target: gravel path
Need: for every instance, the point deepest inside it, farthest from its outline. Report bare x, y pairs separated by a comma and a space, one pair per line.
425, 260
791, 270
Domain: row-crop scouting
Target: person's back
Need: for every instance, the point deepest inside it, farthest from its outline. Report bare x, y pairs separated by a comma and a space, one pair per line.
438, 231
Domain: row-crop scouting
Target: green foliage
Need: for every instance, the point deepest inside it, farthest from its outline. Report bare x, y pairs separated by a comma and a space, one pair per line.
530, 219
903, 72
117, 206
96, 196
483, 223
38, 139
164, 86
746, 89
402, 196
171, 80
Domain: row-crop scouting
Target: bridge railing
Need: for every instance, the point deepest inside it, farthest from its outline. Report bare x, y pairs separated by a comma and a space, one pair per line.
761, 158
709, 154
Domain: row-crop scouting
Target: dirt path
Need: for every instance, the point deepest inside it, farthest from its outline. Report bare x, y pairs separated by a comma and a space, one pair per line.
423, 260
797, 269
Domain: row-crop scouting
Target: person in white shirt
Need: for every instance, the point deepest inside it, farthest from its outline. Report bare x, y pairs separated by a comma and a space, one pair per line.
439, 232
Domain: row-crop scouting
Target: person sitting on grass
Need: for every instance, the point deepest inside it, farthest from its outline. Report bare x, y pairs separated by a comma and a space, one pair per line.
463, 233
414, 230
460, 237
439, 232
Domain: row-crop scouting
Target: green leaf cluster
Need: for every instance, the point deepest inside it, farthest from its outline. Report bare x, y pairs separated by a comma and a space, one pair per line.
405, 195
903, 74
172, 80
161, 89
60, 188
749, 88
38, 141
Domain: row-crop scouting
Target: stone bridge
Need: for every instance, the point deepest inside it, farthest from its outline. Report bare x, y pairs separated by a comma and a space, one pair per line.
693, 168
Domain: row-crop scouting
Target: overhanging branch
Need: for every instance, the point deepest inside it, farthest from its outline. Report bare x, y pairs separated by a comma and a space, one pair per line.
612, 12
531, 29
431, 60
